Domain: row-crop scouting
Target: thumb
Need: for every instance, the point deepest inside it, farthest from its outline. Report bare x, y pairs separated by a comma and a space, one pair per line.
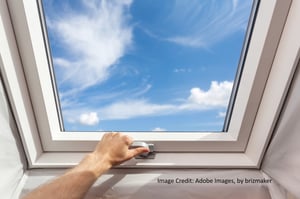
139, 150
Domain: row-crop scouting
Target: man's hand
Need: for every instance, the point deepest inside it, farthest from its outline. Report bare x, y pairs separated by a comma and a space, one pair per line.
114, 147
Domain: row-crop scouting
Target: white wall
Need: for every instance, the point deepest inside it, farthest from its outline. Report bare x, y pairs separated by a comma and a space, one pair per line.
137, 184
282, 161
12, 159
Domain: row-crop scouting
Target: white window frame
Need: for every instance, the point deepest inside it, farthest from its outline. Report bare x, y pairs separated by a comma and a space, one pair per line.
262, 90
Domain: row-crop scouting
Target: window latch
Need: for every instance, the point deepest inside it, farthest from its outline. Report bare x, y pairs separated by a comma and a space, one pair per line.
147, 155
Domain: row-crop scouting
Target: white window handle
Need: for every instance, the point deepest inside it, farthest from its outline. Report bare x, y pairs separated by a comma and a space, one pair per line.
146, 155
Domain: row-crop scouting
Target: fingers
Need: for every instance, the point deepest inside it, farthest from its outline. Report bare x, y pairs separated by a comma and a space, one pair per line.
111, 134
128, 140
137, 151
108, 136
122, 142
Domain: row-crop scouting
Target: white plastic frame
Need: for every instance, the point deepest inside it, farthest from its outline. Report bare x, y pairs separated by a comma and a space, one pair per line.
262, 89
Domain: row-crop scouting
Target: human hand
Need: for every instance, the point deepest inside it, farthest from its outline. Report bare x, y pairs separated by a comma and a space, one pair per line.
113, 149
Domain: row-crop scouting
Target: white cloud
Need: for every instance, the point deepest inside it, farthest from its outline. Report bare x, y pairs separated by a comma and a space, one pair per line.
142, 91
188, 41
95, 38
158, 129
217, 96
182, 70
221, 114
89, 119
134, 108
61, 62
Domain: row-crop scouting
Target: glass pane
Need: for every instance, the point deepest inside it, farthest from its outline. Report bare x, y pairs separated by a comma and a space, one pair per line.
147, 65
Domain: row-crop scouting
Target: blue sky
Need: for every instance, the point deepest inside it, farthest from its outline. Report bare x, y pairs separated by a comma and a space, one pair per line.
147, 65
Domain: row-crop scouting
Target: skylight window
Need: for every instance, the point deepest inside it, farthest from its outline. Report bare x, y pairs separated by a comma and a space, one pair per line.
146, 65
28, 70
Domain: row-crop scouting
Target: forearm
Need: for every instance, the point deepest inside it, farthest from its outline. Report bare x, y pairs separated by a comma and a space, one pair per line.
113, 149
75, 183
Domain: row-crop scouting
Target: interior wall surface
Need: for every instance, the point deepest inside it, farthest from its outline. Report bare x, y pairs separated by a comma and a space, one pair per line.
166, 184
282, 160
12, 158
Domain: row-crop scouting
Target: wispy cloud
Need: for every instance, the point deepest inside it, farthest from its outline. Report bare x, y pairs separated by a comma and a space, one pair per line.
134, 108
203, 23
182, 70
142, 91
216, 97
94, 38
